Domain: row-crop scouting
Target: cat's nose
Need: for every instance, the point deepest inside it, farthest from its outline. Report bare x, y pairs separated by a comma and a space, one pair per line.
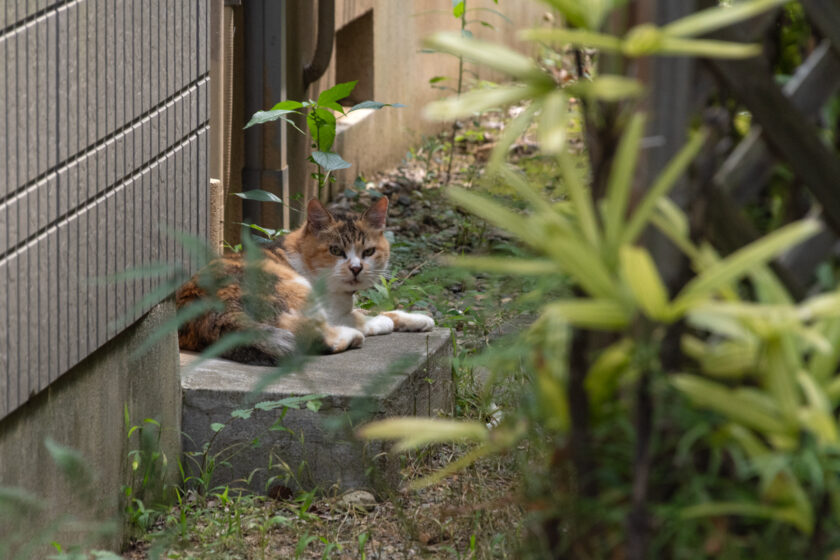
356, 269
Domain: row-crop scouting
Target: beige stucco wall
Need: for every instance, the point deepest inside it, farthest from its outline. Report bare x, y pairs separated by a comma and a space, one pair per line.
402, 73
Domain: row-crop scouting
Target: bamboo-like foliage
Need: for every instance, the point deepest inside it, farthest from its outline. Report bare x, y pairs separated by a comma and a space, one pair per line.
767, 367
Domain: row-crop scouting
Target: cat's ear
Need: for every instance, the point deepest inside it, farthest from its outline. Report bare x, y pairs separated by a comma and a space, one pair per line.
376, 215
317, 217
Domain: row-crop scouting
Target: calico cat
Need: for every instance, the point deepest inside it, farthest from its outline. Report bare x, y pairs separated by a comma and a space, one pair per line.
269, 296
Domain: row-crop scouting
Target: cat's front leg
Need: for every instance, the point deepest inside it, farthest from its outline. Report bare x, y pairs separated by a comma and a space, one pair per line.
410, 322
372, 326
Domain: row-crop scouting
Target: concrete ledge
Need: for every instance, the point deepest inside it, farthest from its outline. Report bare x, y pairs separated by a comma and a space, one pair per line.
396, 374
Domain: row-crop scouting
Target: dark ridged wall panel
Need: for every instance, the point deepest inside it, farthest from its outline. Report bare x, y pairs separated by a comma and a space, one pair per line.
103, 153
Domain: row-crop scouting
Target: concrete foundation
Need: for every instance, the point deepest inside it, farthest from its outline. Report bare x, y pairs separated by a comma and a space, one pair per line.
396, 374
84, 411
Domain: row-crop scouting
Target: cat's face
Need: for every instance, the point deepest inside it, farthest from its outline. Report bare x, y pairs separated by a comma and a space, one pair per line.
350, 251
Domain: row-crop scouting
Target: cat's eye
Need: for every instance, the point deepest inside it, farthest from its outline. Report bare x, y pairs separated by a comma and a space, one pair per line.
337, 251
369, 251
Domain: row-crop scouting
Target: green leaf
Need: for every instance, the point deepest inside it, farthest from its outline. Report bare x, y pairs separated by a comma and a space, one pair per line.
376, 105
217, 426
577, 37
645, 283
582, 263
321, 125
553, 121
437, 79
289, 402
71, 463
330, 161
780, 380
458, 8
336, 93
497, 214
603, 376
787, 513
660, 188
712, 19
824, 365
513, 130
581, 199
607, 88
744, 260
588, 14
260, 195
261, 117
412, 432
493, 55
734, 406
288, 105
508, 265
620, 179
598, 314
706, 48
477, 101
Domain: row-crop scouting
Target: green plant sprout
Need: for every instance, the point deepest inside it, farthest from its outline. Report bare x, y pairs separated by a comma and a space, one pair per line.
321, 122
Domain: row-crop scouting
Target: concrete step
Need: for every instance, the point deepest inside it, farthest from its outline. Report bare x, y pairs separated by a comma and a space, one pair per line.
392, 375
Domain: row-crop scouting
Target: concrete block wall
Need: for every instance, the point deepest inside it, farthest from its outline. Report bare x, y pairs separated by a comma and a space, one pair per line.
103, 148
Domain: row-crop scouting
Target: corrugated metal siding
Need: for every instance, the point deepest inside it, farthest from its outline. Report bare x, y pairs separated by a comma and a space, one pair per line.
103, 146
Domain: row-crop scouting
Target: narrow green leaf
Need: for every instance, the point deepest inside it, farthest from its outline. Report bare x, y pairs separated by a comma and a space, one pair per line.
513, 130
780, 380
660, 188
706, 48
577, 37
493, 55
607, 88
413, 432
603, 376
508, 265
217, 426
182, 316
71, 463
824, 365
620, 180
553, 120
583, 264
599, 314
260, 195
330, 161
787, 513
734, 406
644, 281
497, 214
744, 260
713, 19
477, 101
581, 199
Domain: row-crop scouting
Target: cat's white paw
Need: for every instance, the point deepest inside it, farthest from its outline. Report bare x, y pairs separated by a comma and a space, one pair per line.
380, 324
344, 338
411, 322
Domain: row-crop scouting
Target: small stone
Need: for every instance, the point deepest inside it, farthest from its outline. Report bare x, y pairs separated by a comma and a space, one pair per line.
360, 500
404, 200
